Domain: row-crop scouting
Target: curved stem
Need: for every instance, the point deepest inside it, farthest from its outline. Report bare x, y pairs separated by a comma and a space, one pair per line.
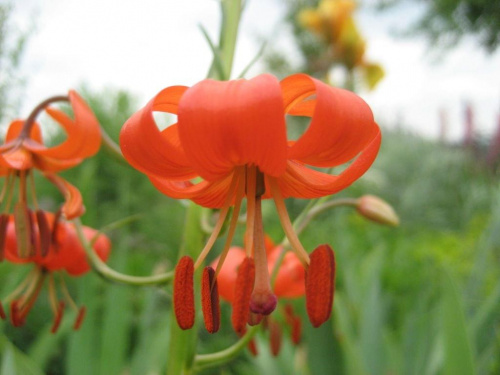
108, 273
214, 359
112, 147
316, 210
28, 124
312, 209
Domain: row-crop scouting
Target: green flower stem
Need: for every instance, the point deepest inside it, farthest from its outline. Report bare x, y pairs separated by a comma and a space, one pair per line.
317, 209
208, 360
231, 14
110, 274
312, 209
112, 147
182, 348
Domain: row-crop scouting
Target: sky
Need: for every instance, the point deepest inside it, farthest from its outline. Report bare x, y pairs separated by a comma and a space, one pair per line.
145, 45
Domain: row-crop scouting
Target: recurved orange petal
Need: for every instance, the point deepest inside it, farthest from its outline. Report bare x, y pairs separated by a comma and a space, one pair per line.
83, 133
302, 182
73, 206
204, 193
227, 124
144, 146
342, 124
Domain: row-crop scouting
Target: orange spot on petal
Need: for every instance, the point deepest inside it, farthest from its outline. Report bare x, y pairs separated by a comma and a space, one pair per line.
184, 293
320, 278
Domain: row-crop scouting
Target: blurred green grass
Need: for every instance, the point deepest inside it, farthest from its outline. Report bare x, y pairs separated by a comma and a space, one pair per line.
423, 298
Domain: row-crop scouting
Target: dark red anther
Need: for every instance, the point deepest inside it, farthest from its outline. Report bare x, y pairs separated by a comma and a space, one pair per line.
15, 315
242, 293
4, 221
55, 227
210, 300
274, 337
32, 233
254, 319
295, 324
44, 232
79, 318
23, 229
319, 285
184, 293
252, 347
58, 317
2, 312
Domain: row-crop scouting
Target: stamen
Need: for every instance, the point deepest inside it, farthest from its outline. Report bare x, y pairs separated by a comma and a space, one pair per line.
4, 221
2, 312
65, 292
53, 295
252, 347
79, 318
23, 229
286, 224
222, 217
254, 319
58, 317
210, 300
33, 241
263, 300
232, 226
275, 337
319, 283
53, 237
242, 294
184, 293
33, 191
44, 232
251, 180
30, 297
15, 317
295, 324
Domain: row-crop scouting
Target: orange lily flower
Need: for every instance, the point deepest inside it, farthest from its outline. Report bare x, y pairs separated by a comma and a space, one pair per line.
56, 248
24, 151
289, 283
230, 142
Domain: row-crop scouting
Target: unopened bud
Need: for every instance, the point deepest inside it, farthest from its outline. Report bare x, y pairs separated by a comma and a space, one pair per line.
375, 209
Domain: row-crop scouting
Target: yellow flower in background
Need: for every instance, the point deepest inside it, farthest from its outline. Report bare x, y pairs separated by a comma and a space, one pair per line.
328, 19
333, 22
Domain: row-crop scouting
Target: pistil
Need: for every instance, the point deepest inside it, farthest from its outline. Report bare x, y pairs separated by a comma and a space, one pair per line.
263, 299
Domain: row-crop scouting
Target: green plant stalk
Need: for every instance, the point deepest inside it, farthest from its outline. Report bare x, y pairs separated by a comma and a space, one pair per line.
231, 14
203, 361
313, 208
110, 274
182, 347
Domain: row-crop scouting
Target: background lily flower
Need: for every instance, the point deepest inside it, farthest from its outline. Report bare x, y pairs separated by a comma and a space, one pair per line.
289, 283
24, 151
232, 137
57, 249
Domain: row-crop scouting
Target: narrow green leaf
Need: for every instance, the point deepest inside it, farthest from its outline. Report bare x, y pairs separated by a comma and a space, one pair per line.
458, 358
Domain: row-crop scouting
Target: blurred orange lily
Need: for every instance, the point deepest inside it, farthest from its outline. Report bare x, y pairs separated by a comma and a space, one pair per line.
289, 283
56, 248
230, 142
24, 151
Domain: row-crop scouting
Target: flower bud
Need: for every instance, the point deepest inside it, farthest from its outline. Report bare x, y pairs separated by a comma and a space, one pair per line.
375, 209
